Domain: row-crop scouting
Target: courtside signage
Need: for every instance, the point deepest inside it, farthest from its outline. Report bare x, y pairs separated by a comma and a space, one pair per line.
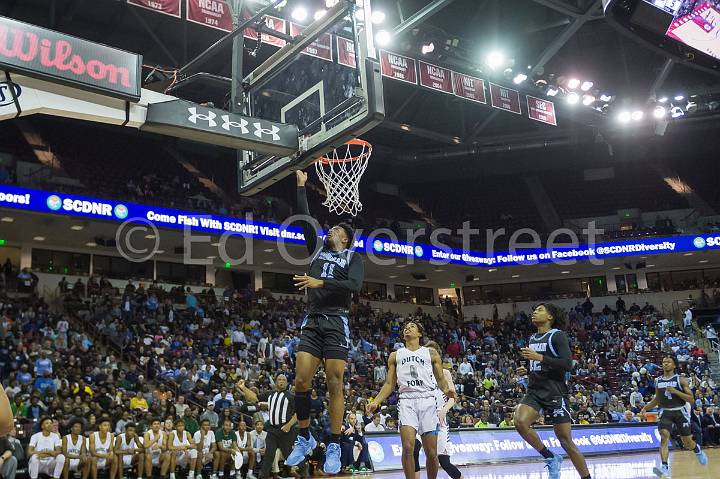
50, 55
483, 446
87, 207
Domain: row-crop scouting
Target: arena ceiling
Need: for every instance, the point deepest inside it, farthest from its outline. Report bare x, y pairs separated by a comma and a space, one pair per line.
560, 37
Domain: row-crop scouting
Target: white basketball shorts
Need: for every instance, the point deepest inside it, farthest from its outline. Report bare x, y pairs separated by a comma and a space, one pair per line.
420, 414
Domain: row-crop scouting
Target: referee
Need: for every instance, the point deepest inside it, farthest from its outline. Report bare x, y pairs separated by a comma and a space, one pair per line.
281, 426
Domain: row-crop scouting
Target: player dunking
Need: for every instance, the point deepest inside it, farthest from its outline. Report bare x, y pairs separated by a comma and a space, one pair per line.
444, 404
674, 396
547, 392
418, 372
335, 273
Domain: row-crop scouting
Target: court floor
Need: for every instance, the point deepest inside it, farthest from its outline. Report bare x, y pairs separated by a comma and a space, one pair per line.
628, 466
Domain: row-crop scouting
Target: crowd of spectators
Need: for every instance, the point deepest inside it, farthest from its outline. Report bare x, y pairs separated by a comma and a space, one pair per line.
148, 353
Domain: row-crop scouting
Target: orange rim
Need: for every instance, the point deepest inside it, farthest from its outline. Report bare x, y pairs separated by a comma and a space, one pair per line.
354, 142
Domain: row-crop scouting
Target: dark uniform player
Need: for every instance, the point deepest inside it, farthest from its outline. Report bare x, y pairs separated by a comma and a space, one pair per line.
674, 396
335, 273
550, 364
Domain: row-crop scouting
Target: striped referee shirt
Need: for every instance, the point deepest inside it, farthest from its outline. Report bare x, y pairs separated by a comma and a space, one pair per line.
281, 407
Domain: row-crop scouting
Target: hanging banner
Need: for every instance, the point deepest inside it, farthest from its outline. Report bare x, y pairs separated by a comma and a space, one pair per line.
320, 48
505, 98
541, 110
211, 13
167, 7
398, 67
435, 77
346, 52
273, 23
469, 88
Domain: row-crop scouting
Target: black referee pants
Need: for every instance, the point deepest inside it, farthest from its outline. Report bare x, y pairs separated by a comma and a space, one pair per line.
278, 440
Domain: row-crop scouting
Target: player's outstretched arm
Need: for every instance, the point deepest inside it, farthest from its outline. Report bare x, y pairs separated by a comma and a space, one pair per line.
311, 234
652, 404
388, 387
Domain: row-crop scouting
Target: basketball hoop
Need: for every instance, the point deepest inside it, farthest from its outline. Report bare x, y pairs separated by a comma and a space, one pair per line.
340, 172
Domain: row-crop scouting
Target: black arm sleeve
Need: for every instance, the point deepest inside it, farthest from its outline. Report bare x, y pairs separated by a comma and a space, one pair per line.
356, 273
311, 234
561, 345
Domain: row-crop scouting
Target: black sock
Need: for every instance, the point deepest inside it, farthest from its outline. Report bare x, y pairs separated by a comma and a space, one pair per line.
302, 405
665, 464
335, 438
305, 432
586, 477
546, 453
697, 448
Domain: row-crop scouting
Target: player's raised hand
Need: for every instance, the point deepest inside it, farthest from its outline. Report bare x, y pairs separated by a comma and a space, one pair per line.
301, 177
371, 408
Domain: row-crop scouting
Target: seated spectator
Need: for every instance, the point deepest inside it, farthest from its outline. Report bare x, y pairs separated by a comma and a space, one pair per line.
8, 462
628, 417
375, 425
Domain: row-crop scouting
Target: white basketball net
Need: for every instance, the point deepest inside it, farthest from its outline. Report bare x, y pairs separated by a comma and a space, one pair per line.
340, 172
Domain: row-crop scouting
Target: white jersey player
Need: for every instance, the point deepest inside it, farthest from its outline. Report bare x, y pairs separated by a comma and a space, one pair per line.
417, 372
45, 451
75, 451
204, 438
183, 452
102, 455
128, 450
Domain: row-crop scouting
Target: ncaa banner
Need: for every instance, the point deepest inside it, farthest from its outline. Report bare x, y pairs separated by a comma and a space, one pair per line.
273, 23
398, 67
211, 13
346, 52
167, 7
482, 446
436, 78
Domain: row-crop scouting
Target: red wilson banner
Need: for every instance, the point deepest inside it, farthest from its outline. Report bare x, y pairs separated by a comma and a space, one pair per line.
273, 23
398, 67
469, 88
541, 110
211, 13
320, 48
168, 7
346, 52
505, 98
435, 77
